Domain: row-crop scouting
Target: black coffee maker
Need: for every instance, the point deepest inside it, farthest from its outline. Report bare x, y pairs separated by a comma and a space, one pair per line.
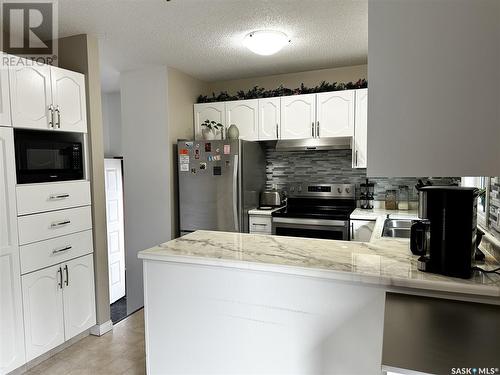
445, 235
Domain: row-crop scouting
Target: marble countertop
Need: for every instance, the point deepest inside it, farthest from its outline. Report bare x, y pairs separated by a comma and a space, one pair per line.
381, 261
375, 213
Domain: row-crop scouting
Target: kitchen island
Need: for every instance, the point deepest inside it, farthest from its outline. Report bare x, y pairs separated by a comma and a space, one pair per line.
218, 302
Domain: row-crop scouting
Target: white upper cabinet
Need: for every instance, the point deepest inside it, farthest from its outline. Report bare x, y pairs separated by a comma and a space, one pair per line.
78, 296
269, 119
298, 116
360, 130
245, 115
12, 353
5, 118
31, 96
208, 111
335, 114
68, 99
43, 310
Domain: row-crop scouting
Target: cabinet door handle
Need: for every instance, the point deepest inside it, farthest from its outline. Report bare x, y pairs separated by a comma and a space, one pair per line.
312, 129
356, 158
58, 124
51, 121
54, 197
65, 248
277, 132
352, 231
260, 224
60, 282
317, 129
67, 275
60, 223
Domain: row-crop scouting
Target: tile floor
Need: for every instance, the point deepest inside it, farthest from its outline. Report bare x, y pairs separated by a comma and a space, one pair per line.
120, 351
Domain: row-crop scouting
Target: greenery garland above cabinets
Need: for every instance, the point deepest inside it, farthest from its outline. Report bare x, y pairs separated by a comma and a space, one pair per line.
259, 92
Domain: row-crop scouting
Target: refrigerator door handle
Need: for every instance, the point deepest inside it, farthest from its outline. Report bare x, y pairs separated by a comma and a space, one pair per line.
235, 194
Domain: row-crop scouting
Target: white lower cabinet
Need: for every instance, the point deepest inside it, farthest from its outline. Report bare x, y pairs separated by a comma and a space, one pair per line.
361, 230
78, 296
43, 310
260, 224
58, 304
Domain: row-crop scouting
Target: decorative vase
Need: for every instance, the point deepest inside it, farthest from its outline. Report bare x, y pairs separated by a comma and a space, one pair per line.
208, 134
233, 132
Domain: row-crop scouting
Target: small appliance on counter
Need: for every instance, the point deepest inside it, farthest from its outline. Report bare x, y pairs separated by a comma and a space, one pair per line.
366, 195
270, 199
445, 236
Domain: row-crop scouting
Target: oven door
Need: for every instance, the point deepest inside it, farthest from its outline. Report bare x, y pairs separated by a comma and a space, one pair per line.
311, 228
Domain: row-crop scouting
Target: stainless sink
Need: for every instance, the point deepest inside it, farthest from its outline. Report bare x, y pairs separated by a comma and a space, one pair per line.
397, 228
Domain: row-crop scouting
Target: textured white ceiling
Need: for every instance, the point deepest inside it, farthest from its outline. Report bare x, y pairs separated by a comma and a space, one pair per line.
203, 37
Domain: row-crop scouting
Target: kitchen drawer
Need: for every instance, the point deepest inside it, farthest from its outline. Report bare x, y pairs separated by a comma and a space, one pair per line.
260, 224
56, 250
38, 227
53, 196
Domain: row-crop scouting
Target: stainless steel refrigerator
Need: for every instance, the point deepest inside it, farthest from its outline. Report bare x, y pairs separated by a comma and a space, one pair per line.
219, 181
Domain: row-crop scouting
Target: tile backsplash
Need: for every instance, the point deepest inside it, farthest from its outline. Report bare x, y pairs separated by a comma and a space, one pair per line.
332, 166
494, 217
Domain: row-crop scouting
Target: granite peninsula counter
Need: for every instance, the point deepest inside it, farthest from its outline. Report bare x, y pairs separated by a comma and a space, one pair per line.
218, 302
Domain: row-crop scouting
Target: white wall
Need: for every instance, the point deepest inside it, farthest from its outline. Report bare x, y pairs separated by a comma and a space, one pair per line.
434, 74
111, 121
147, 163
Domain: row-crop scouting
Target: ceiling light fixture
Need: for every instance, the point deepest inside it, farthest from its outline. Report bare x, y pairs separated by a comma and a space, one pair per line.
265, 42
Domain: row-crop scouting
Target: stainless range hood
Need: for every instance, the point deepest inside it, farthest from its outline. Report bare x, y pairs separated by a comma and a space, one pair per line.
311, 144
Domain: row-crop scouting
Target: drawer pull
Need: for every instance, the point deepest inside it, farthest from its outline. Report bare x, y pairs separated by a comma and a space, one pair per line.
65, 248
260, 224
60, 223
58, 196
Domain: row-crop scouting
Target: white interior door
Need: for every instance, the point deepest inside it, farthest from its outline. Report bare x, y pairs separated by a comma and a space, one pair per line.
68, 93
298, 116
114, 218
11, 311
78, 295
244, 114
269, 119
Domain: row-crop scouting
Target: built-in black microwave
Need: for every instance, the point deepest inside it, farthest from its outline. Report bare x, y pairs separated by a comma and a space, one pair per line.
43, 156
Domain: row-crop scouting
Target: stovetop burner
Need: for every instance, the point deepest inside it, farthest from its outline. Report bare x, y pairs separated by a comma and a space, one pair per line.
330, 202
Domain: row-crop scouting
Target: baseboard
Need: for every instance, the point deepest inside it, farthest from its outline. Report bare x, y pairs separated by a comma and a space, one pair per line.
101, 329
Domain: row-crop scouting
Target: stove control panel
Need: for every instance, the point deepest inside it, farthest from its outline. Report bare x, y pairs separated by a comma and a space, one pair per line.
347, 191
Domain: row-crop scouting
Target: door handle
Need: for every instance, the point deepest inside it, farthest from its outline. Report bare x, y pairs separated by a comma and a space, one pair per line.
58, 124
51, 120
67, 274
235, 193
65, 248
60, 223
317, 129
60, 282
54, 197
312, 129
